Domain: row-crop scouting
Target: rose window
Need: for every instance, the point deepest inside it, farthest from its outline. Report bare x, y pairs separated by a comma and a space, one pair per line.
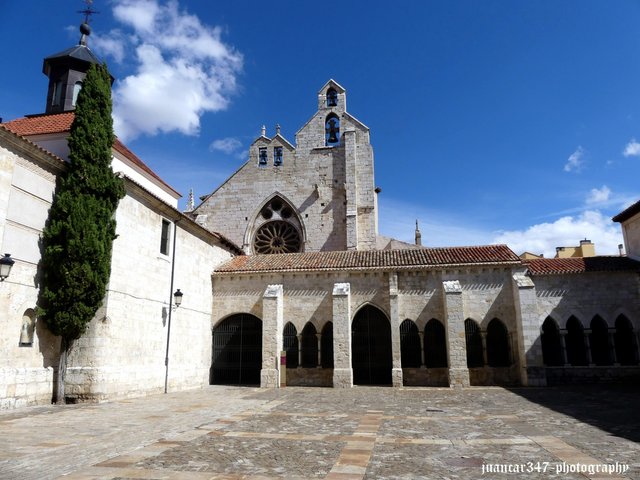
276, 237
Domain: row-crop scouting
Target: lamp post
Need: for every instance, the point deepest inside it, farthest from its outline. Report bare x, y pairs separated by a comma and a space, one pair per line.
6, 263
177, 301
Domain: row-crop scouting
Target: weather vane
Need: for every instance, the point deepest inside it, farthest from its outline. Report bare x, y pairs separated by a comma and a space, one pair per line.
87, 12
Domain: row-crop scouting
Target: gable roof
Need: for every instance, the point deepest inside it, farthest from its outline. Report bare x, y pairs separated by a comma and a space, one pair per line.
559, 266
627, 213
56, 123
372, 260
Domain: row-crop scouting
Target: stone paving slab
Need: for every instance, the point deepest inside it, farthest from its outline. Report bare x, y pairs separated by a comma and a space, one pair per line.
373, 433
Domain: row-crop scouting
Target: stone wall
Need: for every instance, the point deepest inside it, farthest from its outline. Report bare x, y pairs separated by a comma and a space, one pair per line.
122, 354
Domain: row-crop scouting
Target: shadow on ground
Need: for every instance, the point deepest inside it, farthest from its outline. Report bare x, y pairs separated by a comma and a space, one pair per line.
612, 408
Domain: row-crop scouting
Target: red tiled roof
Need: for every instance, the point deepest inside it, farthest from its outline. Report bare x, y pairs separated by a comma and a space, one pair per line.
559, 266
627, 213
372, 259
61, 123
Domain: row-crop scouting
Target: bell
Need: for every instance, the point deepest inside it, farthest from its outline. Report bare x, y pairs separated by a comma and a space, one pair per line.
25, 337
332, 130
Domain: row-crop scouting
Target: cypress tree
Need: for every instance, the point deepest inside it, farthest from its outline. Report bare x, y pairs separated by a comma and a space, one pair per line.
77, 240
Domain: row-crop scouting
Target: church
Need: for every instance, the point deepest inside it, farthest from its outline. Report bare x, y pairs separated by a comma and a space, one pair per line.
285, 256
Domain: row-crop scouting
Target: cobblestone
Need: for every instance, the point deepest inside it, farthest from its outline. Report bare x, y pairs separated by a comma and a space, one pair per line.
372, 433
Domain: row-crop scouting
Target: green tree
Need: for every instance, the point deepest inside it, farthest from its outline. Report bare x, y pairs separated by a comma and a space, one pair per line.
77, 240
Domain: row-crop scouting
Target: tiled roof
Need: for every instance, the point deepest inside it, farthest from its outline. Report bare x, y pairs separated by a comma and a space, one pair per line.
61, 123
627, 213
372, 259
558, 266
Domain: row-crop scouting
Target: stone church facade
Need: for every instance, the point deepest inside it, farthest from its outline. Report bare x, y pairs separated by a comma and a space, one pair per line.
285, 255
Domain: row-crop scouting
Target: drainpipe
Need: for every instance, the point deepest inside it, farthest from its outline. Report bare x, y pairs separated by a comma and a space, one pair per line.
173, 268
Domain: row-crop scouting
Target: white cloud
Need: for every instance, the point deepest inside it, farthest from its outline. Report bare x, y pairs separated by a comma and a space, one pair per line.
600, 195
227, 145
575, 161
564, 232
111, 45
632, 149
182, 69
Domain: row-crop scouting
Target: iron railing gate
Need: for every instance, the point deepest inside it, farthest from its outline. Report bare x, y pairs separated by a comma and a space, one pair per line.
371, 347
237, 351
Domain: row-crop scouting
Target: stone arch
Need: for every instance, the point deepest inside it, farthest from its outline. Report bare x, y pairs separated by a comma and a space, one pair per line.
435, 344
237, 350
498, 344
625, 342
290, 344
551, 343
309, 346
287, 213
599, 341
27, 328
576, 350
371, 357
475, 357
326, 355
410, 352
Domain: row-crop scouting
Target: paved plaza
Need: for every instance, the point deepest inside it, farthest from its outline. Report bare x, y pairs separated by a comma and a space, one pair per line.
364, 432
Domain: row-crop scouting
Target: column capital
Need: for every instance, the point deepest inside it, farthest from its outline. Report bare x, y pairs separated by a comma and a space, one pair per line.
452, 287
341, 289
273, 291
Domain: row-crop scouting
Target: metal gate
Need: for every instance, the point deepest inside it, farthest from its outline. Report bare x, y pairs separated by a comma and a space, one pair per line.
237, 351
371, 347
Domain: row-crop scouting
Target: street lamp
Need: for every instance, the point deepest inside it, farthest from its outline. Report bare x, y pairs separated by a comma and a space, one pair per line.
6, 263
177, 298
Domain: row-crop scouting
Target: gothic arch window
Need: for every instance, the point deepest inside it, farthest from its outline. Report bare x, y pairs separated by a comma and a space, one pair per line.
435, 344
497, 344
599, 341
409, 344
332, 97
576, 351
474, 344
332, 130
277, 229
551, 344
326, 353
626, 346
290, 344
309, 346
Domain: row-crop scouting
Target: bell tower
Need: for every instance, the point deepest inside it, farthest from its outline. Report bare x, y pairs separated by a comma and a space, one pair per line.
66, 70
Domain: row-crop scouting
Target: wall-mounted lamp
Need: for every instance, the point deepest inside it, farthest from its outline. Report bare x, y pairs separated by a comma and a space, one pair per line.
6, 263
177, 298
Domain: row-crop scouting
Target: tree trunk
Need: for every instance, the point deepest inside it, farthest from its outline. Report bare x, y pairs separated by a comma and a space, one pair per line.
59, 398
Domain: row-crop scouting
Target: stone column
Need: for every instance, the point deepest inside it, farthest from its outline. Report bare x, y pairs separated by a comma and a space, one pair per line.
342, 369
563, 347
396, 370
319, 337
612, 347
530, 361
299, 350
423, 362
485, 357
456, 341
272, 323
587, 346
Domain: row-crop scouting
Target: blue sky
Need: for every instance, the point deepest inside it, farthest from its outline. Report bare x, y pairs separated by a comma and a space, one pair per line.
492, 121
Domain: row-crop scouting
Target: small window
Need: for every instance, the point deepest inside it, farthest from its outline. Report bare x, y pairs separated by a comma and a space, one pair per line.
56, 98
164, 240
332, 97
277, 156
262, 156
76, 90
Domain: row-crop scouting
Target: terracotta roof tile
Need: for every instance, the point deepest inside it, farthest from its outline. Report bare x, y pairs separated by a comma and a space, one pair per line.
372, 259
559, 266
61, 123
